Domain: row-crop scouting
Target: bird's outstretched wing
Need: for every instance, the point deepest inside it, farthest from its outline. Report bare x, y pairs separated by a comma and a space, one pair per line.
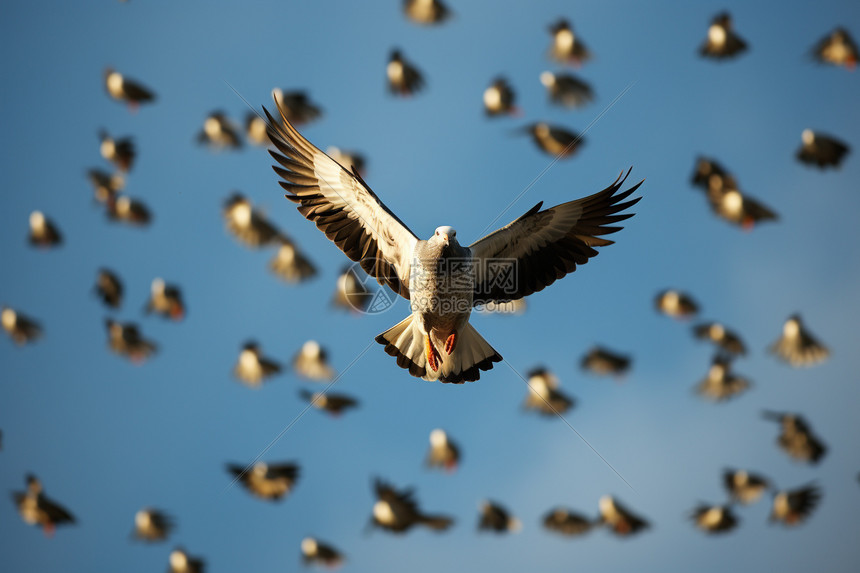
343, 207
541, 247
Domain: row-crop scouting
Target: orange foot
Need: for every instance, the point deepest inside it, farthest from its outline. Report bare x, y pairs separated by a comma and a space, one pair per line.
433, 357
451, 343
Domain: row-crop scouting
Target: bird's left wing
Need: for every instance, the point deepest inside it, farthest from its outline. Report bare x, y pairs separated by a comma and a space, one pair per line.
343, 207
541, 247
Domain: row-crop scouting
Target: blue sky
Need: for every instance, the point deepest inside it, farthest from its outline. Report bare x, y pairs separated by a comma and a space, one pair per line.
107, 438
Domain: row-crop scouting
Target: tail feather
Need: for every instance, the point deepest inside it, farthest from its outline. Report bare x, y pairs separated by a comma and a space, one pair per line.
405, 341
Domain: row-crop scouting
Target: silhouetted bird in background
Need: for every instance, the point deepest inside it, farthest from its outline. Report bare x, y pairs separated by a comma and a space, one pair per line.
311, 362
722, 42
743, 486
444, 453
127, 210
499, 99
544, 394
119, 151
793, 507
618, 518
720, 383
349, 160
126, 90
837, 48
566, 522
821, 150
126, 340
724, 339
105, 185
497, 519
248, 225
797, 346
796, 438
404, 78
43, 231
315, 551
219, 132
21, 329
351, 292
567, 47
676, 304
165, 300
152, 525
602, 362
566, 90
714, 518
426, 12
256, 129
36, 508
555, 140
109, 288
290, 264
267, 481
296, 106
398, 512
334, 404
182, 562
252, 368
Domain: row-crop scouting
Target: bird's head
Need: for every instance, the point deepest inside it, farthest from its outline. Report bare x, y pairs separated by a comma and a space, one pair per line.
445, 235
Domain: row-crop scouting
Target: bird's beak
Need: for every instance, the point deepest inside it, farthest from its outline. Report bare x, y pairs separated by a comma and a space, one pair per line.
444, 237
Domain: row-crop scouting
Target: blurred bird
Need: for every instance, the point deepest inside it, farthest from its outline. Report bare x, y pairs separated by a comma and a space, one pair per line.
544, 394
219, 132
21, 329
546, 245
166, 300
267, 481
36, 508
837, 48
704, 169
404, 79
252, 368
620, 520
443, 453
105, 185
555, 140
43, 231
722, 42
497, 519
744, 487
120, 152
181, 562
426, 12
797, 346
724, 339
821, 150
247, 224
311, 362
397, 511
721, 384
796, 438
714, 518
566, 47
126, 90
109, 288
602, 361
256, 128
317, 552
676, 304
127, 210
351, 292
291, 264
728, 202
296, 106
349, 160
334, 404
126, 340
566, 90
499, 99
152, 525
566, 522
793, 507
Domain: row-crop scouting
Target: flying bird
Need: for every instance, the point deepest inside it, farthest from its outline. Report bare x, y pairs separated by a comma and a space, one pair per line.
426, 12
105, 185
252, 368
296, 106
837, 48
43, 231
721, 383
256, 129
126, 340
566, 90
728, 202
165, 300
219, 132
126, 90
109, 288
618, 518
182, 562
21, 329
36, 508
558, 142
796, 438
714, 519
444, 453
497, 519
127, 210
334, 404
724, 339
602, 362
311, 362
247, 224
722, 41
821, 150
119, 151
797, 346
499, 99
544, 394
404, 78
290, 264
152, 525
706, 167
793, 507
566, 47
267, 481
315, 551
676, 304
436, 342
349, 160
743, 486
566, 522
397, 511
351, 293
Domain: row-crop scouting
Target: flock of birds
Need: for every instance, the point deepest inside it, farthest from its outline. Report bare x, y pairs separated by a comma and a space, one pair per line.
397, 510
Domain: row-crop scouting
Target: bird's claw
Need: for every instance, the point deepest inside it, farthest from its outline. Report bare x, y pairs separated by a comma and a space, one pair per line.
433, 356
450, 343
